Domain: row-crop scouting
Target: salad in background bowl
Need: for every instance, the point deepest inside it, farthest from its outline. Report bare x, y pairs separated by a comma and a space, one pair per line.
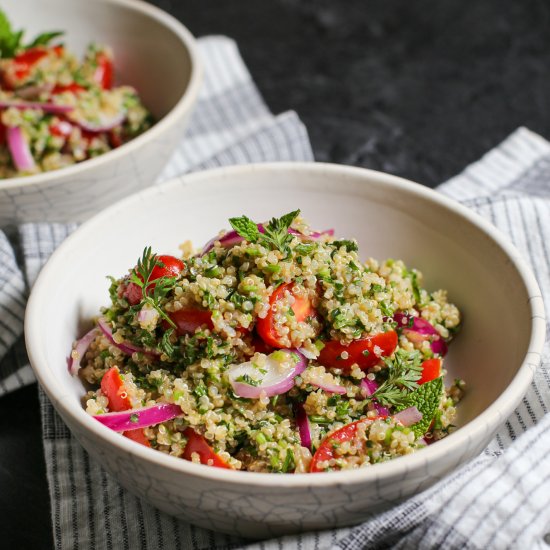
56, 110
79, 106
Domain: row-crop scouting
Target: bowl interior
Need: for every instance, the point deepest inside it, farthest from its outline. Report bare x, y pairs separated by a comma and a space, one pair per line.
390, 218
149, 55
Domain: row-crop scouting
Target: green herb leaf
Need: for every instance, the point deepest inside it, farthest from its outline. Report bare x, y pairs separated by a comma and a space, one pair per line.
404, 371
426, 399
276, 235
44, 39
246, 228
351, 246
152, 293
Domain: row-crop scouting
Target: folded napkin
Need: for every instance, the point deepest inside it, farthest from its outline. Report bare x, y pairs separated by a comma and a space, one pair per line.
498, 500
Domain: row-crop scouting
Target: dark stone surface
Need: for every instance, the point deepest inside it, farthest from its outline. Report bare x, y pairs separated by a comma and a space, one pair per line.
418, 89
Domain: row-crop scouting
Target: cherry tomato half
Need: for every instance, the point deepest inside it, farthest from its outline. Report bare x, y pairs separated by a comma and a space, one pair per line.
73, 87
361, 351
302, 309
431, 369
103, 74
197, 444
326, 450
112, 387
172, 267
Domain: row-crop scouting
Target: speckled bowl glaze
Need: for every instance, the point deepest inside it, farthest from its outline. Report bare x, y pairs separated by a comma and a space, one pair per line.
154, 53
496, 352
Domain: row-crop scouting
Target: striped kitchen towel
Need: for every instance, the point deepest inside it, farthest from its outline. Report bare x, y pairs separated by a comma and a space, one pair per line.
498, 500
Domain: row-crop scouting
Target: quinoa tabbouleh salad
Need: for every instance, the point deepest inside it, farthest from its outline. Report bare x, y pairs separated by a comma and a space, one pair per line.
273, 349
55, 110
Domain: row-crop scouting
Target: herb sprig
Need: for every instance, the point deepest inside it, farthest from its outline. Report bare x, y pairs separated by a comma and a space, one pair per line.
404, 371
152, 292
11, 41
275, 233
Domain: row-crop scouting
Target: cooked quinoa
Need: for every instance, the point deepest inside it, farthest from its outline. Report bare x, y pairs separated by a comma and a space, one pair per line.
281, 349
56, 110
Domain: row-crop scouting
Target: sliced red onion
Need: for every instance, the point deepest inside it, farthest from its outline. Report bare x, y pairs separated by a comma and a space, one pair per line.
419, 330
422, 441
134, 419
231, 238
302, 421
125, 347
314, 234
439, 347
307, 354
53, 108
416, 324
79, 350
381, 410
408, 416
104, 124
368, 387
19, 149
147, 316
326, 386
273, 381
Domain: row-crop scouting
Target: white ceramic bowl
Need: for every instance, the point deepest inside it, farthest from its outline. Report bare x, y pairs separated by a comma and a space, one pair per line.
496, 352
154, 53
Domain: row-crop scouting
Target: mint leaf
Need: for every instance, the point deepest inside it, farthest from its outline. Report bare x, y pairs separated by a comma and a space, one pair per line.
276, 233
426, 399
246, 228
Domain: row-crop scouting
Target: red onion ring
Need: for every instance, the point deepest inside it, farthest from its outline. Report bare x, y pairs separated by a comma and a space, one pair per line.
53, 108
19, 149
302, 422
381, 410
80, 348
419, 330
330, 388
273, 382
125, 347
104, 125
134, 419
368, 387
408, 416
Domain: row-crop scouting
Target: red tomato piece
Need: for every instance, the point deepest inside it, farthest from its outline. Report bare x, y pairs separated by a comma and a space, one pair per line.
172, 268
26, 60
326, 449
138, 436
112, 386
302, 308
361, 351
431, 369
197, 444
188, 321
72, 87
61, 128
103, 74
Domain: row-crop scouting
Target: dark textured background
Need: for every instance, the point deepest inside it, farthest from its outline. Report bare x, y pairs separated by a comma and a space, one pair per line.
418, 89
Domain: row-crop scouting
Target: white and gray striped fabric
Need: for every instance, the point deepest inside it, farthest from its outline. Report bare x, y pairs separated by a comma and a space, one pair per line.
499, 500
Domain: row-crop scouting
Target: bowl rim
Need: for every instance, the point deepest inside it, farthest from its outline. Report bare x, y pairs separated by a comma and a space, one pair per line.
474, 430
172, 117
